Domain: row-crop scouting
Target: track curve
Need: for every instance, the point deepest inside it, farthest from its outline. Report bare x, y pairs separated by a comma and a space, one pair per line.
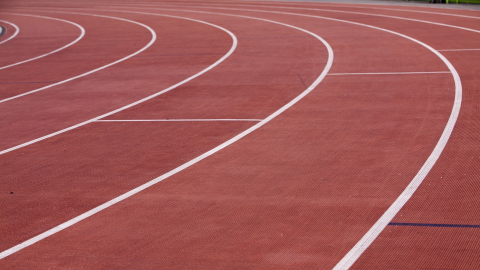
82, 33
300, 191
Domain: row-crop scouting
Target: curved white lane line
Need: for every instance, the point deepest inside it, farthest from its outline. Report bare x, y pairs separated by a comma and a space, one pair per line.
406, 10
82, 33
351, 5
322, 9
154, 37
234, 45
17, 30
191, 162
331, 4
351, 257
417, 5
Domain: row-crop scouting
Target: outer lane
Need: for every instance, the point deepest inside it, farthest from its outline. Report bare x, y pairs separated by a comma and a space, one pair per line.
295, 256
443, 198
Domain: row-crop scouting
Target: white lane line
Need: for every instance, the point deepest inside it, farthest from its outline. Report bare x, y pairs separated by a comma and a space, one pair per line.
17, 30
179, 120
82, 33
328, 10
154, 36
352, 256
458, 50
234, 45
191, 162
391, 73
350, 5
406, 10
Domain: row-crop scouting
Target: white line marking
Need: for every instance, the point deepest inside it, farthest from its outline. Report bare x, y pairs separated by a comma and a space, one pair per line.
154, 36
351, 257
189, 163
179, 120
458, 50
406, 10
328, 10
350, 5
234, 45
82, 33
17, 30
391, 73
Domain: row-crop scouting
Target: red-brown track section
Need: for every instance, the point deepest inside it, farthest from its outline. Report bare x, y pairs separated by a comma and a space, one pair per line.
120, 37
297, 193
37, 36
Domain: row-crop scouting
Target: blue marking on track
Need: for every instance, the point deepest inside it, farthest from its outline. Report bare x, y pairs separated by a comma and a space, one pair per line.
434, 225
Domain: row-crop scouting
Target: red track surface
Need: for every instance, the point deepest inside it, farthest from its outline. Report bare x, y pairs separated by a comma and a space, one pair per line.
299, 192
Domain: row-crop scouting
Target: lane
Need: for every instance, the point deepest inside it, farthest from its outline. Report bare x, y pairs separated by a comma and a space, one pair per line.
41, 34
448, 23
432, 9
82, 33
257, 196
181, 154
471, 22
58, 68
447, 195
167, 89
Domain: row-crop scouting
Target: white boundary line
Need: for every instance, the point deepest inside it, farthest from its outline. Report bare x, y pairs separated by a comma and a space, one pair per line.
406, 10
458, 50
17, 30
179, 120
321, 9
82, 33
234, 45
193, 161
352, 5
391, 73
351, 257
154, 36
418, 5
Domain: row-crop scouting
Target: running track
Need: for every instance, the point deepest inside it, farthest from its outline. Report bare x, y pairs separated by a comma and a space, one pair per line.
239, 135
